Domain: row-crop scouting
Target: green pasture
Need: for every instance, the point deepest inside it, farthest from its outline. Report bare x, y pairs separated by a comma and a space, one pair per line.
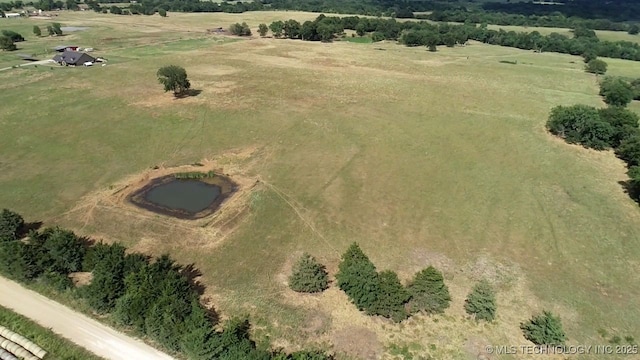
422, 158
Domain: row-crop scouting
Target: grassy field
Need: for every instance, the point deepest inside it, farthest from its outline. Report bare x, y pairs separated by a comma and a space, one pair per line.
56, 347
423, 158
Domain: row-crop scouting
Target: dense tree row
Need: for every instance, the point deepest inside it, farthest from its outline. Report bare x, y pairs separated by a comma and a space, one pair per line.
382, 293
619, 10
612, 127
551, 20
152, 297
422, 33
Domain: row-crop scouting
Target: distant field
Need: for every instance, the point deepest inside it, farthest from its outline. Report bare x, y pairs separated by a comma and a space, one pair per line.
56, 346
423, 158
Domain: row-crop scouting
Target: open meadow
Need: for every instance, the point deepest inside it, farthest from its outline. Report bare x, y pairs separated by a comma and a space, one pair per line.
422, 158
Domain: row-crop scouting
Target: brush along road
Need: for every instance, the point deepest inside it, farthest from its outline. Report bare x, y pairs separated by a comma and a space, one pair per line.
88, 333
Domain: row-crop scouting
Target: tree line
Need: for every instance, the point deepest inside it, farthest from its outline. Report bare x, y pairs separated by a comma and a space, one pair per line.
383, 294
422, 33
153, 297
619, 10
9, 38
550, 20
613, 127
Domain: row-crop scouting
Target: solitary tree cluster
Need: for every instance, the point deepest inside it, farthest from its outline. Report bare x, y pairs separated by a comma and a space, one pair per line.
383, 293
263, 29
428, 292
308, 275
14, 36
596, 66
154, 297
54, 29
580, 124
7, 44
36, 30
481, 302
544, 329
323, 28
8, 40
174, 78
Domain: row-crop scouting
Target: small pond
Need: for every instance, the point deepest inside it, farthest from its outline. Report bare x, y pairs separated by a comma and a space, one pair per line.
184, 198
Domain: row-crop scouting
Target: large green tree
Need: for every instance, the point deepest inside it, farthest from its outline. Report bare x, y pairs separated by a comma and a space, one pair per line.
277, 27
107, 285
358, 278
174, 78
7, 44
629, 151
616, 92
11, 224
66, 250
481, 302
623, 121
57, 28
291, 29
240, 29
544, 329
197, 342
429, 292
308, 275
391, 298
263, 29
14, 36
36, 30
580, 124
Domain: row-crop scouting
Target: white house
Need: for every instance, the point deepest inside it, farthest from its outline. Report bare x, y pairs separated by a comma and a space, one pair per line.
11, 15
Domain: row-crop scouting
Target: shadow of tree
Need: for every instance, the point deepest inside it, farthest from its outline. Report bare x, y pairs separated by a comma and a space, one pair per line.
632, 191
191, 273
188, 93
29, 227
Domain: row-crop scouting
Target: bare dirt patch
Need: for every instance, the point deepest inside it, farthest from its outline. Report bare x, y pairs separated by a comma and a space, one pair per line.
111, 205
359, 342
81, 278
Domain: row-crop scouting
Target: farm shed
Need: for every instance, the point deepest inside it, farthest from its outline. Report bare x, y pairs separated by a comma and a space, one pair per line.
63, 48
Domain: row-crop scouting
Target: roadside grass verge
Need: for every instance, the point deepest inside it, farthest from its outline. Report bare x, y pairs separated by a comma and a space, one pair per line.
56, 346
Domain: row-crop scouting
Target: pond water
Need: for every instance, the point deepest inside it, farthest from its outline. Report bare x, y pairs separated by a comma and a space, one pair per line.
183, 198
189, 195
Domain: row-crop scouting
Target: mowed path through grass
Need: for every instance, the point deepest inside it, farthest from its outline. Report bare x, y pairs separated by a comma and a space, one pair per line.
420, 157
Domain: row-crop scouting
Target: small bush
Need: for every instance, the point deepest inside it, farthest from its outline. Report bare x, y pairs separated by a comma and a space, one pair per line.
308, 275
481, 302
162, 12
429, 292
544, 329
194, 175
596, 66
240, 29
56, 280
